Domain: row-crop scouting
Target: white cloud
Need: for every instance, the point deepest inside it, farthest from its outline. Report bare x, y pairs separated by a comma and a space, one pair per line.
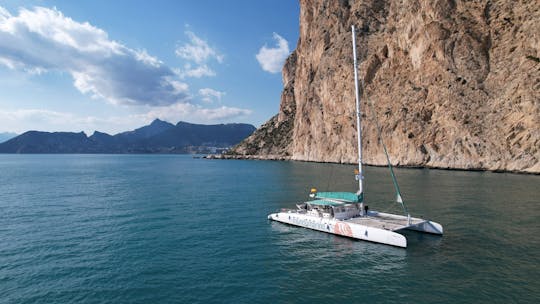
208, 95
272, 59
196, 113
43, 39
34, 115
198, 50
195, 72
22, 120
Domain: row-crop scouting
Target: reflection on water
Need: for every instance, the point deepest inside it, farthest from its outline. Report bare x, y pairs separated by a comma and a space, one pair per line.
341, 246
415, 238
302, 244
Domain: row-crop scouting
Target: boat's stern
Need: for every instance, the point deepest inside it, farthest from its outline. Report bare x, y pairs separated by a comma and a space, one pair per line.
427, 227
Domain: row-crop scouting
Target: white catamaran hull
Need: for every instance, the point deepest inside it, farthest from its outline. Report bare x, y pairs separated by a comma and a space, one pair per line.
340, 227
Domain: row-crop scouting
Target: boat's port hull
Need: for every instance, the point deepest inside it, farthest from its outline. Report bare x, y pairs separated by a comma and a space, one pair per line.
343, 228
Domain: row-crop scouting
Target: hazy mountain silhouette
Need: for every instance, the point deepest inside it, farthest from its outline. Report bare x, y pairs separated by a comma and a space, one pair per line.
157, 137
6, 135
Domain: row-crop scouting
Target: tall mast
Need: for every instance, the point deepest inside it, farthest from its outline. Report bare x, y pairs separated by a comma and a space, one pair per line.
360, 175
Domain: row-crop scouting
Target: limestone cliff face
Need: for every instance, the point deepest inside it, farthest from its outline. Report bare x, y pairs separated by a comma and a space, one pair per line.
454, 84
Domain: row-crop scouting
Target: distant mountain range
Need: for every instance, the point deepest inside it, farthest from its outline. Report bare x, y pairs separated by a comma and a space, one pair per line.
5, 136
157, 137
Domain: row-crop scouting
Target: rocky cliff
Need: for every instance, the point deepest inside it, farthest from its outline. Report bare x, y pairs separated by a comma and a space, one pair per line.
454, 84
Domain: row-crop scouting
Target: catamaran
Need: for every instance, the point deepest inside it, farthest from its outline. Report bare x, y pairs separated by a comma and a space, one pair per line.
344, 213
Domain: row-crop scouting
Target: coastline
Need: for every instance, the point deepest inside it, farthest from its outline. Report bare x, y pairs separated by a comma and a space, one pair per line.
288, 158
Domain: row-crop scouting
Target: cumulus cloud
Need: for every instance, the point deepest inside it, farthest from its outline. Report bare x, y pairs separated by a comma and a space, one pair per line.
197, 50
209, 95
43, 39
272, 59
195, 72
36, 115
23, 120
196, 113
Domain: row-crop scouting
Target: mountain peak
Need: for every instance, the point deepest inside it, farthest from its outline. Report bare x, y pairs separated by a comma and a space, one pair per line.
97, 133
183, 123
158, 122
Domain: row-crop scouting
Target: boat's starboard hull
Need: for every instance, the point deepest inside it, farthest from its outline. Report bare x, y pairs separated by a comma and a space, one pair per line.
343, 228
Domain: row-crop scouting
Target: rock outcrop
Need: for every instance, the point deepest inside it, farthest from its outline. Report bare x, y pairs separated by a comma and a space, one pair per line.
454, 84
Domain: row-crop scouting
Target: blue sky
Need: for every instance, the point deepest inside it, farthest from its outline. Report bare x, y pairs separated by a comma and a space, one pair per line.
117, 65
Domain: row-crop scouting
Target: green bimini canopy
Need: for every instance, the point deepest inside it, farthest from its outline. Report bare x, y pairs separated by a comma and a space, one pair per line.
326, 203
341, 196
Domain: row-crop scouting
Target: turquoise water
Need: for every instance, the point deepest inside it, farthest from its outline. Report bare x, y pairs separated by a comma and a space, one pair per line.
173, 229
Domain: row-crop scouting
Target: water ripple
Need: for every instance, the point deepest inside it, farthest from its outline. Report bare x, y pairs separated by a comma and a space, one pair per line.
168, 228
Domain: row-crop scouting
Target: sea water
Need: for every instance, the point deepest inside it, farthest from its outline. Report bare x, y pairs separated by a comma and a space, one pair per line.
174, 229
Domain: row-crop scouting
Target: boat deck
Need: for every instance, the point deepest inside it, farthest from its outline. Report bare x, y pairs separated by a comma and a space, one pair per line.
385, 222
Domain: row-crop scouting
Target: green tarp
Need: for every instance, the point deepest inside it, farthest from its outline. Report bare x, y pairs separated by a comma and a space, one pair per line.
325, 203
341, 196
